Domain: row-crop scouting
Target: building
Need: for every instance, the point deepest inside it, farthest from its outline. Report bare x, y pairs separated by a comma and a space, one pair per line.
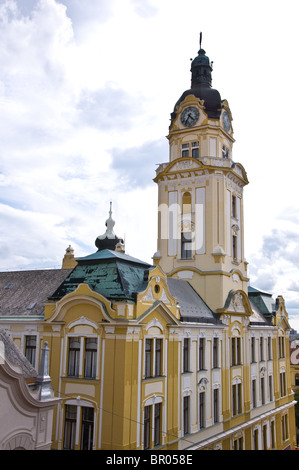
27, 400
181, 353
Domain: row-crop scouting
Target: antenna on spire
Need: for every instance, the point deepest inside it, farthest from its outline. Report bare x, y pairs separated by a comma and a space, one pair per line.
200, 39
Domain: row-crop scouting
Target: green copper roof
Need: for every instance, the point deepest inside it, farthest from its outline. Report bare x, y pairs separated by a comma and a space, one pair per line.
115, 275
112, 255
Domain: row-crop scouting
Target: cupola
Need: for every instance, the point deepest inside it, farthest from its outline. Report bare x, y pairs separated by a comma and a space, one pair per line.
201, 85
109, 240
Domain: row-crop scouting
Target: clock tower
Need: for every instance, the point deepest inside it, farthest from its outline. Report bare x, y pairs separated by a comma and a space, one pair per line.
200, 194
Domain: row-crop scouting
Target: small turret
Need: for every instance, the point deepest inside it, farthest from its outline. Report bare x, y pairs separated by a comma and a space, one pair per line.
69, 261
109, 240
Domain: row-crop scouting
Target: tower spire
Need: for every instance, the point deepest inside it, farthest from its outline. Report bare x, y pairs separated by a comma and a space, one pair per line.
109, 240
201, 68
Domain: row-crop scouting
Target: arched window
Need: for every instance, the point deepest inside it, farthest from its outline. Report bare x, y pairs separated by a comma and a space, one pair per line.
186, 228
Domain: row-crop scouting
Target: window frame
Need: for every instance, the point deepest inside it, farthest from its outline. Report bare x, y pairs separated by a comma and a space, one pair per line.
201, 354
152, 425
186, 354
87, 428
153, 357
237, 399
70, 425
73, 357
186, 415
30, 349
80, 358
90, 358
236, 351
216, 346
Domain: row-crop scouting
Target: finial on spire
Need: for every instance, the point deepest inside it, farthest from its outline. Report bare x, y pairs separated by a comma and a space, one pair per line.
109, 240
43, 378
200, 39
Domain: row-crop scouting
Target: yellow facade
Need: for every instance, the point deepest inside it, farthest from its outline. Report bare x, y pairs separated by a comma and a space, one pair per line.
180, 354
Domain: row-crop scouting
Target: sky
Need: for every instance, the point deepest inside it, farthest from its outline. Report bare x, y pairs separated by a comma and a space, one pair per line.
86, 92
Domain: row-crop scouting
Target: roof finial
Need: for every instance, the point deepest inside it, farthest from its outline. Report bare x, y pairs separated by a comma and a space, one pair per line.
43, 378
200, 39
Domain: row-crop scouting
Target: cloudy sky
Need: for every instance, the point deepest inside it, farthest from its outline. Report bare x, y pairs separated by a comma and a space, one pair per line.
86, 92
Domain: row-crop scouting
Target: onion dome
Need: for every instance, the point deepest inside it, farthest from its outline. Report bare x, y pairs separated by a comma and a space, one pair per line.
201, 85
109, 240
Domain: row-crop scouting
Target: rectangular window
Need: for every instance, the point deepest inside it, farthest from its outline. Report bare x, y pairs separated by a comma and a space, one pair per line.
186, 352
284, 422
254, 393
234, 207
262, 349
186, 415
237, 399
74, 357
282, 384
186, 245
272, 435
152, 422
157, 425
234, 247
195, 149
256, 439
70, 427
269, 348
265, 437
270, 388
30, 349
236, 351
87, 428
202, 410
185, 150
252, 349
281, 346
158, 357
90, 357
263, 390
148, 357
238, 444
201, 358
153, 357
147, 427
216, 405
215, 352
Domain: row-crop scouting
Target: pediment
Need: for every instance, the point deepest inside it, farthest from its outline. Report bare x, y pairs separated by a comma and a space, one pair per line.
83, 295
184, 166
240, 171
237, 303
158, 314
156, 293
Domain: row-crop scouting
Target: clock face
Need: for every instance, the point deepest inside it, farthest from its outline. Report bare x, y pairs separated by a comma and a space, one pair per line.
226, 121
189, 116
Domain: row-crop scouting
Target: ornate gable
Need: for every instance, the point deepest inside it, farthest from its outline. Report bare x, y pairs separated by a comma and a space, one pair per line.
237, 303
